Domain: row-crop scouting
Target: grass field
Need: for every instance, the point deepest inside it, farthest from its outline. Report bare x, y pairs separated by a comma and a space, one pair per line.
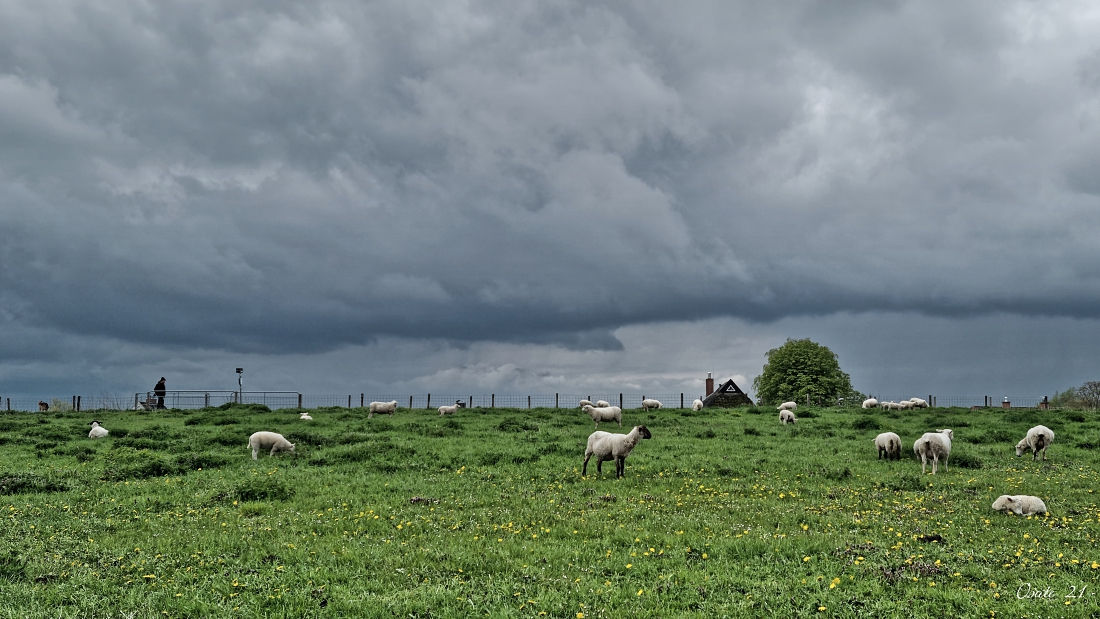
722, 513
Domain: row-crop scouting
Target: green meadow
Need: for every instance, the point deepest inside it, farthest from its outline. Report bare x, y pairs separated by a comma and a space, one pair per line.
724, 513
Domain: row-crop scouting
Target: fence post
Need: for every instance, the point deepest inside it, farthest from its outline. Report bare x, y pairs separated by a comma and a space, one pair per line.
528, 402
556, 401
361, 400
9, 404
73, 406
429, 406
620, 400
78, 404
933, 401
135, 402
681, 400
493, 402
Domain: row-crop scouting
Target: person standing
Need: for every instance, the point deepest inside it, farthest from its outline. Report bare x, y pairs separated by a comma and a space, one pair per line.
159, 392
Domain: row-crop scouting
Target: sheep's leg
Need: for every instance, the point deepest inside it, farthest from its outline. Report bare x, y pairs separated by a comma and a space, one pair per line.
255, 454
599, 466
923, 464
584, 469
620, 467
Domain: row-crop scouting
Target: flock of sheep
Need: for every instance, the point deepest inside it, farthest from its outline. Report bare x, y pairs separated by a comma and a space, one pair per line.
605, 446
936, 445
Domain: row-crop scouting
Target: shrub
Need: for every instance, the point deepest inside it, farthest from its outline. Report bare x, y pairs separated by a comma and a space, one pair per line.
264, 488
965, 461
515, 425
26, 483
129, 463
866, 423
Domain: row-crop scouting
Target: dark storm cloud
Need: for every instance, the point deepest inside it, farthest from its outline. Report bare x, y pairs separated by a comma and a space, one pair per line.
282, 178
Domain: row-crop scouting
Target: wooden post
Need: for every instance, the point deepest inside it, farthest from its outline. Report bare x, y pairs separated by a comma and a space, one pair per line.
620, 400
493, 401
471, 404
74, 403
78, 404
681, 400
135, 402
556, 401
361, 400
410, 401
299, 399
429, 406
528, 402
9, 403
933, 401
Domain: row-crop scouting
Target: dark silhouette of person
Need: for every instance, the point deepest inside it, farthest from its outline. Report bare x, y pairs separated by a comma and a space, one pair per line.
159, 392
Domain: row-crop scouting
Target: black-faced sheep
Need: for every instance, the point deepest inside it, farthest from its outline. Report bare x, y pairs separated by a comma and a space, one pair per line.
97, 431
786, 416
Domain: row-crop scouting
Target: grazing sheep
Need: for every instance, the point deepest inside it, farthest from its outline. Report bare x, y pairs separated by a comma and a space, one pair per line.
387, 408
788, 406
305, 417
448, 410
1020, 504
601, 404
608, 446
266, 440
919, 403
890, 406
648, 404
43, 407
1037, 439
870, 403
585, 403
888, 445
98, 431
785, 416
697, 405
604, 413
934, 445
905, 405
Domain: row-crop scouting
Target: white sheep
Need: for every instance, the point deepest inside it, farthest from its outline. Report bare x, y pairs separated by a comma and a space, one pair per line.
934, 445
904, 405
788, 406
585, 403
919, 403
98, 431
448, 410
785, 416
1037, 439
601, 404
697, 405
648, 404
608, 446
888, 445
870, 403
305, 417
268, 440
1020, 504
604, 413
890, 406
382, 408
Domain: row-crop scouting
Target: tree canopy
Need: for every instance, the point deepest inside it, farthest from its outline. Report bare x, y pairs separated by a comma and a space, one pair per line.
802, 368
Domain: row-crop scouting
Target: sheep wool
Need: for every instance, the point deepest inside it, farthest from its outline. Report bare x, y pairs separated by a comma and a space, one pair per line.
1037, 439
604, 413
585, 403
608, 446
1020, 504
650, 404
888, 445
870, 403
602, 404
786, 416
97, 431
788, 406
448, 410
382, 408
935, 446
697, 405
305, 417
268, 440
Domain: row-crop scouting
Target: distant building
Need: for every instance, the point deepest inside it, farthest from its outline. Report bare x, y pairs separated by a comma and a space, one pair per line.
727, 395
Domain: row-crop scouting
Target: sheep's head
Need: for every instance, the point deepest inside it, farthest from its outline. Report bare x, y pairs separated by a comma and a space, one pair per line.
1003, 503
587, 409
643, 431
950, 433
1021, 447
292, 447
94, 423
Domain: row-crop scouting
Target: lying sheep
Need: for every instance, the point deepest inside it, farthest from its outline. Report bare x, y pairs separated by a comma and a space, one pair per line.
382, 408
788, 406
648, 404
1020, 504
601, 404
608, 446
1037, 439
268, 440
934, 445
888, 445
305, 417
604, 413
870, 403
98, 431
697, 405
785, 416
585, 403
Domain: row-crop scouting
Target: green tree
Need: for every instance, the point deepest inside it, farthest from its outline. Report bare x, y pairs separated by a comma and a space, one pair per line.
803, 368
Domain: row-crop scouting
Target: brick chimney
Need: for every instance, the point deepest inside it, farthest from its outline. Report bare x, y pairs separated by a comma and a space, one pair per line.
710, 383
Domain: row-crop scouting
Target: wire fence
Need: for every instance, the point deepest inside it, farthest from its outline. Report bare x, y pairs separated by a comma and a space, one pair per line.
194, 399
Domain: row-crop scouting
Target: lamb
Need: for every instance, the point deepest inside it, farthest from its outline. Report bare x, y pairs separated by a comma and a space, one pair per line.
608, 446
870, 403
890, 406
585, 403
1037, 439
648, 404
601, 404
888, 445
788, 406
98, 431
387, 408
604, 413
305, 417
785, 416
934, 445
266, 440
904, 405
697, 405
448, 410
919, 403
1020, 504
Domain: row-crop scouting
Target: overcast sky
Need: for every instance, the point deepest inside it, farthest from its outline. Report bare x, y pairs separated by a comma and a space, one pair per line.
520, 196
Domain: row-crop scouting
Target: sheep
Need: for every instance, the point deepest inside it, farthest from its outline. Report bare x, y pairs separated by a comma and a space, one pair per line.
43, 407
870, 403
608, 446
905, 405
448, 410
648, 404
601, 404
387, 408
265, 440
604, 413
1020, 504
697, 405
1037, 439
98, 431
934, 445
788, 406
785, 416
305, 417
888, 445
919, 403
890, 406
585, 403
